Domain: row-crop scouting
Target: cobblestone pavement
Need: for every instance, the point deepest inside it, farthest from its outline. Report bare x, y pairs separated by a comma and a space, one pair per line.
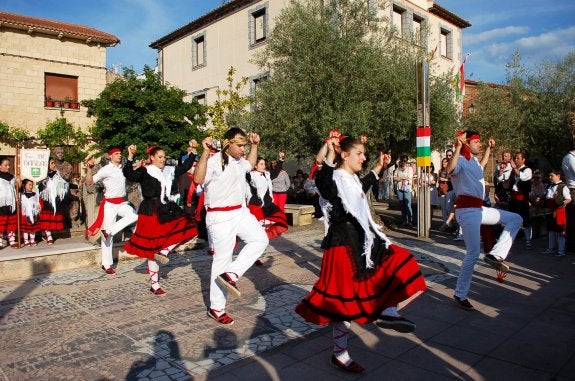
86, 325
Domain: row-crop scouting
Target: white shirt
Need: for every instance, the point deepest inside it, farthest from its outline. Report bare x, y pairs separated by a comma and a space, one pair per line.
227, 187
113, 179
553, 188
568, 166
506, 172
524, 175
467, 178
407, 172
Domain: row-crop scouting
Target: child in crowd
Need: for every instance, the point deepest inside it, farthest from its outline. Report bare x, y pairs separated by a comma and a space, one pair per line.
30, 212
556, 198
53, 189
8, 217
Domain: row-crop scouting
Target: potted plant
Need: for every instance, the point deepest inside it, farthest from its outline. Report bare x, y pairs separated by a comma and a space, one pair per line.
49, 101
74, 104
66, 103
57, 103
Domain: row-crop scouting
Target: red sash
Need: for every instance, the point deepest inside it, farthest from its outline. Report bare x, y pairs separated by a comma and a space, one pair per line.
464, 201
518, 196
224, 208
95, 227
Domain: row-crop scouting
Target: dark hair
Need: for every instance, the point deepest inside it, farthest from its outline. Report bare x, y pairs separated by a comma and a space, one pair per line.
557, 172
153, 150
346, 144
3, 159
232, 132
23, 185
470, 133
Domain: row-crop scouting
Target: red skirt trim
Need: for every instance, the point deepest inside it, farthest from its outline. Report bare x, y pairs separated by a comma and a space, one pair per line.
276, 222
8, 222
151, 236
28, 227
337, 296
50, 221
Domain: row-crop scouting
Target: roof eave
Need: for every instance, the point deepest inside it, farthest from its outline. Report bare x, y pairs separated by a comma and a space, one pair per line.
200, 22
60, 33
451, 17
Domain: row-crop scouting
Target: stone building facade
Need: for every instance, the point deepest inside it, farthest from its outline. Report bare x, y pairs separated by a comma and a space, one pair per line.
48, 67
196, 57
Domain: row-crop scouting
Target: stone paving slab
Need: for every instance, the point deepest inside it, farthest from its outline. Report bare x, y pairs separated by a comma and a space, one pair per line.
86, 325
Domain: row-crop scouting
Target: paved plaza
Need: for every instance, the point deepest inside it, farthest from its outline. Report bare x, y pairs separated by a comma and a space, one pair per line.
85, 325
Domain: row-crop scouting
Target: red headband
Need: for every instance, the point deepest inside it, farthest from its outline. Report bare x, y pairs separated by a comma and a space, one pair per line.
149, 150
465, 152
114, 150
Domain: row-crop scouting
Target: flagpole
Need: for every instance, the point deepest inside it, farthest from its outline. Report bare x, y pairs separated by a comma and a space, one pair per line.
16, 184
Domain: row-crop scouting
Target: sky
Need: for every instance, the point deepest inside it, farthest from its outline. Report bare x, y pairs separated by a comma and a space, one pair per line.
540, 31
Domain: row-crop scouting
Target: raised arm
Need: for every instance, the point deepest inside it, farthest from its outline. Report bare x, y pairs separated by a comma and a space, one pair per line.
253, 154
485, 158
89, 179
202, 166
461, 140
128, 169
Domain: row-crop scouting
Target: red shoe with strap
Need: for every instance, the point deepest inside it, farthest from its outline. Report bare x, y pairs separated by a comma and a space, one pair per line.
229, 284
109, 270
224, 318
159, 291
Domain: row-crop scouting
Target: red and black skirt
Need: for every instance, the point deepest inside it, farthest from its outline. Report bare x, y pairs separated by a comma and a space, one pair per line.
273, 219
8, 222
151, 236
340, 296
49, 220
28, 226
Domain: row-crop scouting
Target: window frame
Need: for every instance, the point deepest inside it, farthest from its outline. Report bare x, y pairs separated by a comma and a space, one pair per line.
448, 33
195, 42
253, 16
201, 96
61, 91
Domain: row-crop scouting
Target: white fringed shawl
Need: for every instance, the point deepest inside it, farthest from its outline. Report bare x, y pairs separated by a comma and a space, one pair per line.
56, 189
354, 200
262, 182
165, 177
8, 193
30, 207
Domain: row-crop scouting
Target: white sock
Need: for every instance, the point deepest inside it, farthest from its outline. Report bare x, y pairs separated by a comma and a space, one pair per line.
340, 333
153, 269
166, 250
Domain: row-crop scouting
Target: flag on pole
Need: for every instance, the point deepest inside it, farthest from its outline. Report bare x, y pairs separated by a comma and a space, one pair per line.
460, 80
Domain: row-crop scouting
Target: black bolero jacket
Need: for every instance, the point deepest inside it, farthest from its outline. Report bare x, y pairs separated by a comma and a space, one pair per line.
344, 229
151, 187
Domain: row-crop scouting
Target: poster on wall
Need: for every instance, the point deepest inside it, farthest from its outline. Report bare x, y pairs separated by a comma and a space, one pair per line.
34, 164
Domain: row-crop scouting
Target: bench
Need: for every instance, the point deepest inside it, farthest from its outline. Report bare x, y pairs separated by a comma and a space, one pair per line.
299, 214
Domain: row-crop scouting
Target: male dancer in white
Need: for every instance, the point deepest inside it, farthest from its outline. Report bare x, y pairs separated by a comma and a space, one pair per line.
113, 205
223, 176
469, 185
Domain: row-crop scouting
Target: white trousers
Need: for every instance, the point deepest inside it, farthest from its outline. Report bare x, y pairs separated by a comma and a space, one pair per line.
127, 217
470, 221
223, 228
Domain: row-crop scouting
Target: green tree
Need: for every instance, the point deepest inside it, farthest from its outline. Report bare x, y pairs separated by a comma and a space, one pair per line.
13, 135
142, 110
61, 133
230, 107
333, 64
534, 112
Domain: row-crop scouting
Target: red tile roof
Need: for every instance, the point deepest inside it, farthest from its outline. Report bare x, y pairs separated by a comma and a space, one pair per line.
58, 28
